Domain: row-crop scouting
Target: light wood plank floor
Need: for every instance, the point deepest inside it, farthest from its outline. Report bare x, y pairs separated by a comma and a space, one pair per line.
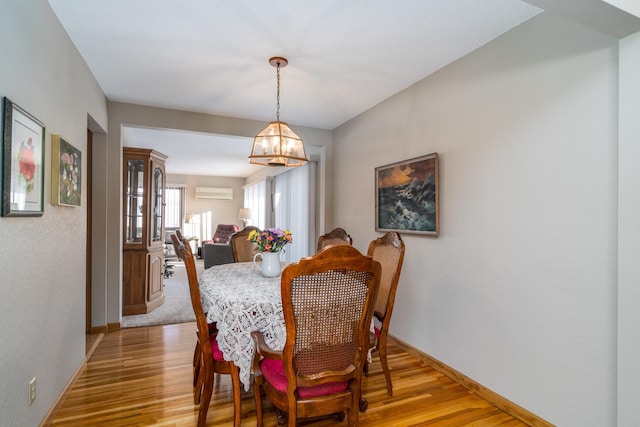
142, 376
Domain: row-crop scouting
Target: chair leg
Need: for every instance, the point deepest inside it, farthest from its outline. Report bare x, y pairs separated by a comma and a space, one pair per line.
385, 368
292, 418
197, 381
196, 355
237, 398
257, 395
197, 388
352, 417
205, 399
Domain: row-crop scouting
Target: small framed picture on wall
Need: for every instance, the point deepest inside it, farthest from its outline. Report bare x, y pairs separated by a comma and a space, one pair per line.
22, 163
66, 170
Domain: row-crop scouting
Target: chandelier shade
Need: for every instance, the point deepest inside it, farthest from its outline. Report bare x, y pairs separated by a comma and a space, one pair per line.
278, 144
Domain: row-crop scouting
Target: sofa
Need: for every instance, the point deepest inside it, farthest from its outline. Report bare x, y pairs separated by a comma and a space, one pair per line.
218, 250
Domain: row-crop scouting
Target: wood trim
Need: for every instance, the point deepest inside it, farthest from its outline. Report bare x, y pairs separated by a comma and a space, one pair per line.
88, 242
48, 419
109, 327
492, 397
98, 330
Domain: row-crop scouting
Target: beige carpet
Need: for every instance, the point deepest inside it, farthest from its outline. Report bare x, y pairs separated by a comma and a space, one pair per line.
177, 302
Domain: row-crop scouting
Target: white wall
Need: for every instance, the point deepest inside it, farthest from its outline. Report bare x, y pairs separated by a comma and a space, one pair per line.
214, 211
42, 260
629, 234
519, 291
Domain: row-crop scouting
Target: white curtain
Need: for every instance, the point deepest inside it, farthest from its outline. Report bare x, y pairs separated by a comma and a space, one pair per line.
293, 206
257, 197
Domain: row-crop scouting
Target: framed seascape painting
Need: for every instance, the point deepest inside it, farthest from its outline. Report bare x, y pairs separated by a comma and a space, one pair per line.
22, 163
65, 172
407, 196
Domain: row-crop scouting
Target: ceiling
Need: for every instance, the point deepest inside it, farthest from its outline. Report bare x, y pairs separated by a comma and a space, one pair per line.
212, 57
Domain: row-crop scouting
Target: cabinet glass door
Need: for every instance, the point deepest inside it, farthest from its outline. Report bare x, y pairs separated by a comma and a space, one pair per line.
134, 197
157, 205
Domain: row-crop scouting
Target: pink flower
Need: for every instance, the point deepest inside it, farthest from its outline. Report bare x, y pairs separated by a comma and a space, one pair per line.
27, 163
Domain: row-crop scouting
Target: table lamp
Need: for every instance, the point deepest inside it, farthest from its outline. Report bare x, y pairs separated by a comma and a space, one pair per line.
245, 215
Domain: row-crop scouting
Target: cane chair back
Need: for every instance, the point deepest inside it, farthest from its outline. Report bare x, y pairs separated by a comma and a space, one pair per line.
242, 248
211, 361
327, 302
337, 236
388, 250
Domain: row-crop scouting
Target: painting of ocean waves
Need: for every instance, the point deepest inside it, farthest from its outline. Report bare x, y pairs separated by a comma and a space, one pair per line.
408, 196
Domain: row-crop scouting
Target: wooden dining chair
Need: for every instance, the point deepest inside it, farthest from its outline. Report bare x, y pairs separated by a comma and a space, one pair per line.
211, 360
337, 236
327, 302
176, 242
212, 327
242, 248
388, 250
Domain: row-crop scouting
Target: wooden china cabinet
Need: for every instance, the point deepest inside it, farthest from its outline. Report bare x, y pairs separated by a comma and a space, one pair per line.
143, 230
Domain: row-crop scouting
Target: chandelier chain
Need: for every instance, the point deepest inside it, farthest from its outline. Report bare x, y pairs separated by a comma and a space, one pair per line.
277, 144
278, 95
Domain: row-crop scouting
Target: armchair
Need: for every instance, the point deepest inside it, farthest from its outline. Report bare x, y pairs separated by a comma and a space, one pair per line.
218, 250
224, 232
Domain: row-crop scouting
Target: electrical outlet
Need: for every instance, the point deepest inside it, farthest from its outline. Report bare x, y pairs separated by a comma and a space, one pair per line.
32, 390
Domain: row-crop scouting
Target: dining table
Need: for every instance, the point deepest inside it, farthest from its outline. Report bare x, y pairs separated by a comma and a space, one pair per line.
240, 300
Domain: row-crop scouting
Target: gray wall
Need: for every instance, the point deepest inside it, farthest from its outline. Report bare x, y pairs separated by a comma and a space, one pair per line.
42, 260
520, 290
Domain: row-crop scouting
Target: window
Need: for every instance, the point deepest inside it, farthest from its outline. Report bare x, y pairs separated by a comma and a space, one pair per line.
174, 206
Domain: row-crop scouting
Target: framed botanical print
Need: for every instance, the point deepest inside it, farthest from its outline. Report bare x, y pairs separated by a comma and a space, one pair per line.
66, 171
407, 199
22, 163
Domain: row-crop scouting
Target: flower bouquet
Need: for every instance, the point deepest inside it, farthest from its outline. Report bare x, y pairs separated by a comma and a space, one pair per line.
271, 239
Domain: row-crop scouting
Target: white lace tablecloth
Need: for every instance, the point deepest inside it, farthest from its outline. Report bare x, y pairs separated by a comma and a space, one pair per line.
240, 300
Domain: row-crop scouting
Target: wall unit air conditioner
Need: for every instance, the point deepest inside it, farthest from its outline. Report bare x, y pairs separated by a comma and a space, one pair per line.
216, 193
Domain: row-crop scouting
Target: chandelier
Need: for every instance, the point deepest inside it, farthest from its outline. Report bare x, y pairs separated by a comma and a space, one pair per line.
277, 144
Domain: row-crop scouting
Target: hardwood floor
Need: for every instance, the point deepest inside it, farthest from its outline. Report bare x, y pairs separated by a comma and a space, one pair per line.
142, 376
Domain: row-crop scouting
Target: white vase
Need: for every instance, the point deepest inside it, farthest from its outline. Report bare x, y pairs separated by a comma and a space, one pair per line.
270, 263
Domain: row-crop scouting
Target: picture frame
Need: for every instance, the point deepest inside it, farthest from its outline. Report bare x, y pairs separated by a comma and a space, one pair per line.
22, 162
66, 173
407, 197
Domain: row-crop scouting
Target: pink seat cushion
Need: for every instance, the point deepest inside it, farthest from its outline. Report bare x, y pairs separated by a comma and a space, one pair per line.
215, 348
273, 371
376, 331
